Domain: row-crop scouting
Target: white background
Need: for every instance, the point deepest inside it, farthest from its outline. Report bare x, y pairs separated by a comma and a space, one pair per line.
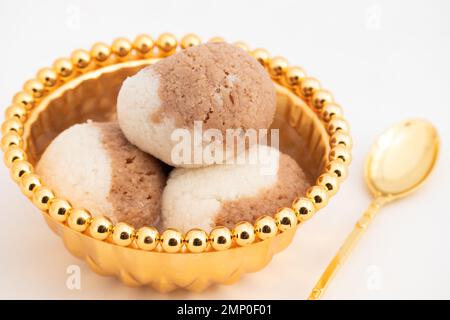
384, 60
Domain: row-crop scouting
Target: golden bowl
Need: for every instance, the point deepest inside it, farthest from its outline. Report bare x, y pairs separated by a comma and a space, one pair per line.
85, 86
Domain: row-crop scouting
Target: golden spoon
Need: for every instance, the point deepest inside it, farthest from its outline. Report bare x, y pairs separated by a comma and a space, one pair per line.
399, 163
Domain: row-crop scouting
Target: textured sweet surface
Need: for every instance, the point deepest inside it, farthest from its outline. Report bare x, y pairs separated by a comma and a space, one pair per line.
96, 168
217, 84
227, 194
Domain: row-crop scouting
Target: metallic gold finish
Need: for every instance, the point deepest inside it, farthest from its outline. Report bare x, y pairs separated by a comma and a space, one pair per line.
220, 238
11, 139
17, 111
63, 67
90, 94
25, 99
34, 87
303, 208
19, 168
28, 183
244, 233
147, 238
59, 209
79, 220
318, 195
196, 240
171, 240
277, 67
338, 124
331, 110
321, 98
341, 139
100, 52
399, 163
123, 234
285, 219
167, 44
144, 44
121, 47
42, 197
216, 39
100, 227
262, 55
294, 76
340, 153
337, 168
47, 77
241, 45
265, 227
14, 153
190, 40
12, 125
330, 182
81, 59
308, 87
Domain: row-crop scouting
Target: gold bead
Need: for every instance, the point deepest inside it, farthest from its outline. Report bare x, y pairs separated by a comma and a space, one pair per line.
261, 55
59, 209
123, 234
309, 86
24, 99
216, 39
196, 240
337, 124
17, 111
121, 47
13, 154
338, 168
100, 227
19, 168
285, 219
330, 182
81, 58
47, 77
190, 40
63, 67
11, 139
321, 98
277, 67
303, 208
294, 76
12, 125
28, 183
331, 110
147, 238
244, 233
318, 196
34, 87
100, 52
171, 240
340, 153
144, 44
220, 238
42, 197
167, 44
79, 219
341, 139
241, 45
265, 227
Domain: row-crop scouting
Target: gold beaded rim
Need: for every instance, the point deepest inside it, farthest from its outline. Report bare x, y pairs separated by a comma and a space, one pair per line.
173, 241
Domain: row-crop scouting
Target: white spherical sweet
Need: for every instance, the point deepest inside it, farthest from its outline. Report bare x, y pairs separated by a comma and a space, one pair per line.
227, 194
96, 168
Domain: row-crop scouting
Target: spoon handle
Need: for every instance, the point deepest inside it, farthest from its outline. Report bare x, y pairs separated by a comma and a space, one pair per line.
350, 242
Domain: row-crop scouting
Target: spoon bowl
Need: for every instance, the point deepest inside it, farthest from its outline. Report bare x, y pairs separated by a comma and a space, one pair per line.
402, 158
